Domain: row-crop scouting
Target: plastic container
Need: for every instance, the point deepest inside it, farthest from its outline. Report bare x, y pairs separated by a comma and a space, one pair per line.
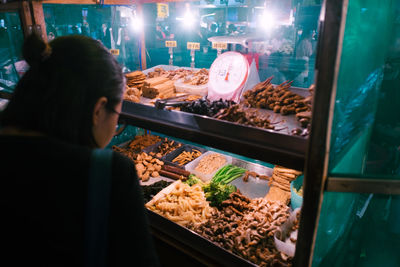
171, 156
295, 199
286, 245
206, 177
182, 87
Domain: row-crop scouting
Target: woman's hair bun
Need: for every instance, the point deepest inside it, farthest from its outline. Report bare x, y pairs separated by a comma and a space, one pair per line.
34, 49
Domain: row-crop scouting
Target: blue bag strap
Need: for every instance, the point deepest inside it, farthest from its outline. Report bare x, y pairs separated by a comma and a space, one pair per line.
98, 208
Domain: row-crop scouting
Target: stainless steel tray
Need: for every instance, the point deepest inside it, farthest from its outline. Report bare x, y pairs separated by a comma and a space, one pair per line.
254, 187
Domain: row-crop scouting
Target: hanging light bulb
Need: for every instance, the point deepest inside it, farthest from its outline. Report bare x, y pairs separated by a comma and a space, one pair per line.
136, 22
267, 18
188, 19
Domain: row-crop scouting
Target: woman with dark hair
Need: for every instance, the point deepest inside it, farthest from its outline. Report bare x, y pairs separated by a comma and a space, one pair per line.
65, 201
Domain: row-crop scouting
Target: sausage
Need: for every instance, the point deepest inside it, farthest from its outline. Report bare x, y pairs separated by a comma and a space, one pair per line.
285, 95
171, 175
176, 170
246, 177
264, 177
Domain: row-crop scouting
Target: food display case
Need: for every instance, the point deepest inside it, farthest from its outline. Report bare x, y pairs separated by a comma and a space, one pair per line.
14, 21
307, 90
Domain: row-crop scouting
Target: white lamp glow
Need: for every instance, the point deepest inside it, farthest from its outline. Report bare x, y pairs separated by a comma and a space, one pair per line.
267, 20
136, 23
188, 19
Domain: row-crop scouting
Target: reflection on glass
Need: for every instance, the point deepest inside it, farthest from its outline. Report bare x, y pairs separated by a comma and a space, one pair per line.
117, 27
11, 39
359, 230
365, 138
278, 36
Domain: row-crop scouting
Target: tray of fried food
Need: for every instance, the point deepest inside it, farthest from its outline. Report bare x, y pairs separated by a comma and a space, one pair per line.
135, 79
141, 142
280, 184
132, 94
162, 148
184, 155
147, 166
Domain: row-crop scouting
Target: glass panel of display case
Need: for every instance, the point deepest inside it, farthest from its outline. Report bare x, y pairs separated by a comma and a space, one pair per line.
278, 36
192, 35
115, 26
11, 39
365, 138
358, 230
254, 204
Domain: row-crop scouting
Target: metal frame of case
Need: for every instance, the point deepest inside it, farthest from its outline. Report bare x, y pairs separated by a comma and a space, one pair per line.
309, 155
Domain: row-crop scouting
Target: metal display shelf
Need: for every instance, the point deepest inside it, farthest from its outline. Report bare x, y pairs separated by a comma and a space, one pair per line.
266, 145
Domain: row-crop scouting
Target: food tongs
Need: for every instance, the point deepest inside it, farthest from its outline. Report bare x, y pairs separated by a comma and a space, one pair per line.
175, 101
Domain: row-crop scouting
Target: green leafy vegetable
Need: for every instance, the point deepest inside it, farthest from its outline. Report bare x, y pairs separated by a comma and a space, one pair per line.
227, 174
216, 192
193, 179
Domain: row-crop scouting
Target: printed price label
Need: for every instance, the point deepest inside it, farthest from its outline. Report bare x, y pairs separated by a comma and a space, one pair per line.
162, 10
193, 46
114, 52
170, 43
218, 45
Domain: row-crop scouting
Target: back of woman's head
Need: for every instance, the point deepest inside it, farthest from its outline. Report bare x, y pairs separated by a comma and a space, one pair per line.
58, 93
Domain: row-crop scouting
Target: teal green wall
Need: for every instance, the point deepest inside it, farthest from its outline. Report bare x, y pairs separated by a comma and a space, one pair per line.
360, 229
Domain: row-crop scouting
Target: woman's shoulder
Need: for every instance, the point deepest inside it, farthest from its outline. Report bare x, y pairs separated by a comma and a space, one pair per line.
41, 144
43, 157
122, 160
123, 167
